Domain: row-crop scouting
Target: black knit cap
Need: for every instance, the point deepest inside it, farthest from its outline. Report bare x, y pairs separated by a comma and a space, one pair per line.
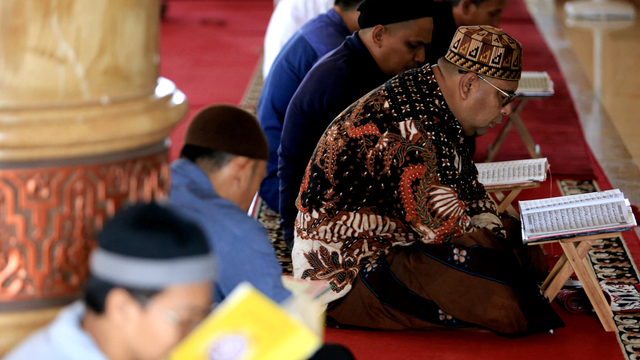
230, 129
153, 232
383, 12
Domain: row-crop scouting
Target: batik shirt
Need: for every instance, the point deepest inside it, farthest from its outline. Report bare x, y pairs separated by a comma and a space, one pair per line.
391, 170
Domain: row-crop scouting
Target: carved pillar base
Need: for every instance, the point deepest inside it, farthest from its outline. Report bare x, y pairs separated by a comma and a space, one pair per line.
50, 217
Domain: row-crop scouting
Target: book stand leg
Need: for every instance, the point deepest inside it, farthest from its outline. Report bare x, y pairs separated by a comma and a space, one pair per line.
574, 259
505, 202
514, 120
512, 191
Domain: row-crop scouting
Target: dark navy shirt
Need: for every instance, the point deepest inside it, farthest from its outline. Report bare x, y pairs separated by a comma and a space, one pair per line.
240, 244
317, 37
444, 28
335, 82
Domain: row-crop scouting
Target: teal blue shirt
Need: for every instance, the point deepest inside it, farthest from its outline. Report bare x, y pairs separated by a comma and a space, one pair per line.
240, 243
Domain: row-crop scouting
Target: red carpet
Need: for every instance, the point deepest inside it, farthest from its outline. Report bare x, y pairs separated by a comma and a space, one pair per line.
552, 122
583, 341
210, 49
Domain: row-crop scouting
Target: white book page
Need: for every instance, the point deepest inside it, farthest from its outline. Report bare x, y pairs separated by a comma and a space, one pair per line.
570, 201
534, 82
573, 219
512, 172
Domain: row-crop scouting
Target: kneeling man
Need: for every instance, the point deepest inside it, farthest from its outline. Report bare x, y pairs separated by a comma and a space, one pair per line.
391, 212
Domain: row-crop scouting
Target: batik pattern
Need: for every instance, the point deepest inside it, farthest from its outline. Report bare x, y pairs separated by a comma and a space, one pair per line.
392, 169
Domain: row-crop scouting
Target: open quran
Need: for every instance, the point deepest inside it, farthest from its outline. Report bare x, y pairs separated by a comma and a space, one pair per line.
575, 215
512, 172
535, 83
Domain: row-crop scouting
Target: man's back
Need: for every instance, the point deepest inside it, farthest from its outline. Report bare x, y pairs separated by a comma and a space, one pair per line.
287, 18
240, 243
322, 34
334, 83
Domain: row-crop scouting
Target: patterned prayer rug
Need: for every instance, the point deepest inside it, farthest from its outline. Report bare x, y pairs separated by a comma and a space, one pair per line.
613, 266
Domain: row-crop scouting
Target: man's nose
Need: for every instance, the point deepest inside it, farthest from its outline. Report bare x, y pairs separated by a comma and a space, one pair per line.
506, 110
420, 55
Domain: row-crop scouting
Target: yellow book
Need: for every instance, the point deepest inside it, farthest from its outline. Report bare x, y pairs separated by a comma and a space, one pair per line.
248, 325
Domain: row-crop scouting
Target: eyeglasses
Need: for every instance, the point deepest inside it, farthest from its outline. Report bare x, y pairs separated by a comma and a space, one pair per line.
509, 97
186, 324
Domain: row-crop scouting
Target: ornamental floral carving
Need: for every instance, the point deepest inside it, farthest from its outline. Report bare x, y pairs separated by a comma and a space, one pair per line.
49, 217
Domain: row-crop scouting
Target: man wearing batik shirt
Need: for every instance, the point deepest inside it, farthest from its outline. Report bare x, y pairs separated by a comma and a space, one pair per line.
391, 212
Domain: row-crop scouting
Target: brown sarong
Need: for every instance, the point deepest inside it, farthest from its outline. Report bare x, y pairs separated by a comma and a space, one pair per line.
479, 280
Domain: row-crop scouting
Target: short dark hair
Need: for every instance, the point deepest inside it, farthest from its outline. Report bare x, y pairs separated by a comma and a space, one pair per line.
96, 291
348, 4
213, 160
475, 2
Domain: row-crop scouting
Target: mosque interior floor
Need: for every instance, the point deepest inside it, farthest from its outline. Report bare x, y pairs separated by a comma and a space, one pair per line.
599, 61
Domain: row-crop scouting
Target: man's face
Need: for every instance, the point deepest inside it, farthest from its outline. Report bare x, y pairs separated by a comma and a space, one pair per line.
403, 46
486, 13
167, 318
487, 106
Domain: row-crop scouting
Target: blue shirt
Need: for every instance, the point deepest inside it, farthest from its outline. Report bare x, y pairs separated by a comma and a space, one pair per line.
335, 82
239, 242
63, 339
317, 37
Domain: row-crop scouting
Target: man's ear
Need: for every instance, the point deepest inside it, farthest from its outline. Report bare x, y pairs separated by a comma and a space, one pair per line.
377, 35
119, 306
465, 6
466, 85
242, 170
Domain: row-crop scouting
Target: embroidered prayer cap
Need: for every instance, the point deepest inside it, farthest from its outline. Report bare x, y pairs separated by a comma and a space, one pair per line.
151, 247
383, 12
486, 50
230, 129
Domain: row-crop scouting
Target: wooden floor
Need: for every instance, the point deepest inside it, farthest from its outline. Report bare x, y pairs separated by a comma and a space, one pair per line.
609, 104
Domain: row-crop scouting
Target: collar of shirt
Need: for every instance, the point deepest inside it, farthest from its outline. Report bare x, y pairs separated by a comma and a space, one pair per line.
337, 21
357, 46
185, 173
68, 335
367, 64
452, 127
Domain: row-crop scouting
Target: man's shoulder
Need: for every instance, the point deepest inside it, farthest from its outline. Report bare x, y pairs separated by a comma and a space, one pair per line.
38, 346
219, 217
324, 33
338, 66
62, 339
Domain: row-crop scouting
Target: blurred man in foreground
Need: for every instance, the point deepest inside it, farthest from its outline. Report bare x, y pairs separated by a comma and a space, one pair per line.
149, 285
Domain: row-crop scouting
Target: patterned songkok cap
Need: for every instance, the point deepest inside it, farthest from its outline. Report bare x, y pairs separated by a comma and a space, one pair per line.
486, 50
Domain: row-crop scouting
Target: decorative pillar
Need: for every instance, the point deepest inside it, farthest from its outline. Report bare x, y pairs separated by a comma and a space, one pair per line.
83, 122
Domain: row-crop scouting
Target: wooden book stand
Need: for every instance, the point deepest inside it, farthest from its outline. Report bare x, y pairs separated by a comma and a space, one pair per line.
574, 259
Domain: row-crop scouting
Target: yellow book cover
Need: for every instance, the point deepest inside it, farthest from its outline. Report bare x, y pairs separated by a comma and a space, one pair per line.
248, 325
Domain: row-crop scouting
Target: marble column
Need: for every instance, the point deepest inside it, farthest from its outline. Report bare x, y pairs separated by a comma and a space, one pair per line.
84, 118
